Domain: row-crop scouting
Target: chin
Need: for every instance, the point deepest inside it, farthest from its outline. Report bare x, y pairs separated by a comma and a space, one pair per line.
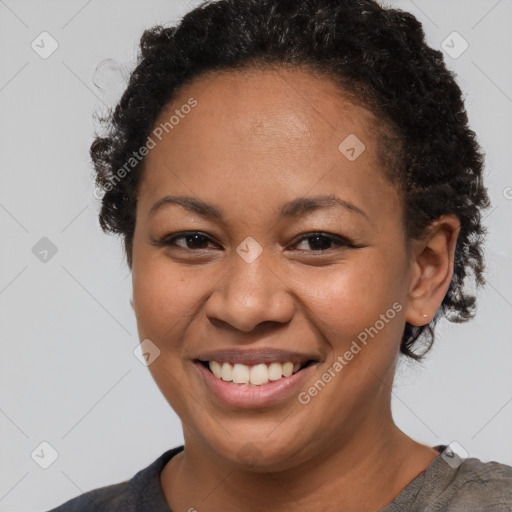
259, 451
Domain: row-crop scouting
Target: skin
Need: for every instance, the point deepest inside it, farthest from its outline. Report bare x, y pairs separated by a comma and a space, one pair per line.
255, 140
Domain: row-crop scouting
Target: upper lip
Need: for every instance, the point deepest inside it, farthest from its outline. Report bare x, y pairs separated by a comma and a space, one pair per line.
256, 356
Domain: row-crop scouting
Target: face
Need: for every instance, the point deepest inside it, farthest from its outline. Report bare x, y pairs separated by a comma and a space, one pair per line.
288, 255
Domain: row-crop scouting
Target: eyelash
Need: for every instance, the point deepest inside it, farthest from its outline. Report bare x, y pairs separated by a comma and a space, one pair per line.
336, 240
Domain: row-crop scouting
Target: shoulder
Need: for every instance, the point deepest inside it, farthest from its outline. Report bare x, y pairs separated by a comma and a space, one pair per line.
487, 485
455, 484
467, 484
111, 497
142, 492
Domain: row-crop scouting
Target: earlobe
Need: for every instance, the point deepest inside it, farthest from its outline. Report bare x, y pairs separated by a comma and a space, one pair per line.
433, 261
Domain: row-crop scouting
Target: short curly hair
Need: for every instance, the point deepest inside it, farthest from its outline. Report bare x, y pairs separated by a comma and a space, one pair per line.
379, 58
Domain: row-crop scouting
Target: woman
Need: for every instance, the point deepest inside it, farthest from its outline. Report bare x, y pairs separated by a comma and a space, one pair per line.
300, 199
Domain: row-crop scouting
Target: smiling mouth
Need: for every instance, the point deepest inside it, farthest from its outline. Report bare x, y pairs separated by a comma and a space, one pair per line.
254, 375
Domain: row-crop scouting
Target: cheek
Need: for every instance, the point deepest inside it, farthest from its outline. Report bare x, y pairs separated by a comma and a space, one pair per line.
352, 296
163, 296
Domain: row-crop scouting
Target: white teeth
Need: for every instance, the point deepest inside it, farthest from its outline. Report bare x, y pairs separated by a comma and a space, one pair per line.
215, 368
259, 374
240, 374
226, 372
275, 371
287, 369
256, 375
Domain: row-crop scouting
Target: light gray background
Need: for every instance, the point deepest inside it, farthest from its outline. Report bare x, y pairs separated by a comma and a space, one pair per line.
68, 375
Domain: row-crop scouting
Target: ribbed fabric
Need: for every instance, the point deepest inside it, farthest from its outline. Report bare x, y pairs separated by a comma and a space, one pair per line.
143, 493
452, 484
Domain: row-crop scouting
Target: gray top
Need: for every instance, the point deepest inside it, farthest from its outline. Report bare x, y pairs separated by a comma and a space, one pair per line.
449, 484
453, 484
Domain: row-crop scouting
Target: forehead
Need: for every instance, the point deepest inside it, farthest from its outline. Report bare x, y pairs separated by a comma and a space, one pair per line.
276, 134
292, 113
273, 106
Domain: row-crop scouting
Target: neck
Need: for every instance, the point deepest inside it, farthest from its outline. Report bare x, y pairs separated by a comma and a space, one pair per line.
377, 463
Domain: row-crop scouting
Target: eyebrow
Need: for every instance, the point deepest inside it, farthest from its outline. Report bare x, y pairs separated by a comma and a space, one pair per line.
295, 208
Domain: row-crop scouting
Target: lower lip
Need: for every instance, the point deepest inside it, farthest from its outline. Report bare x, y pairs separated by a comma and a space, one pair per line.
249, 396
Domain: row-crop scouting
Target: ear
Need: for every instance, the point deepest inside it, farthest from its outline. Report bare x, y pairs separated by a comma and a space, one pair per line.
432, 261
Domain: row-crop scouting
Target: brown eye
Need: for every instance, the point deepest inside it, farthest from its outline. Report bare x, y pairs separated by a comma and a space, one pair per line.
192, 240
324, 241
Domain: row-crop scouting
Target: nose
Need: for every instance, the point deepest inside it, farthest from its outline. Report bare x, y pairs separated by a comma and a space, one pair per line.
251, 294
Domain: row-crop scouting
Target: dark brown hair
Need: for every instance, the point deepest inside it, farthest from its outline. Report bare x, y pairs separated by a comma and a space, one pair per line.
377, 55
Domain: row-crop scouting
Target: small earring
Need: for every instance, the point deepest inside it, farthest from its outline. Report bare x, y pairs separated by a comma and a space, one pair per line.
424, 315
